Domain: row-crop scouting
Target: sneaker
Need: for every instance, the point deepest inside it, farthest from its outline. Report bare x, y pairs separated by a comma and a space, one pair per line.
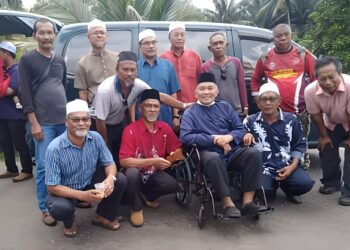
251, 209
329, 190
136, 218
22, 177
344, 200
8, 174
48, 219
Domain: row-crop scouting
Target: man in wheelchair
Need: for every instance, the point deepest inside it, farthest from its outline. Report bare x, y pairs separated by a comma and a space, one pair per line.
218, 132
145, 145
278, 136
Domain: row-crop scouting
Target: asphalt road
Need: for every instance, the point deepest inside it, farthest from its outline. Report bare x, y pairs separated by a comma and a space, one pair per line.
319, 223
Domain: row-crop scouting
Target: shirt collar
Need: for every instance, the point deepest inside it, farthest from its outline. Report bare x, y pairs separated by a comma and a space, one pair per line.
144, 129
67, 143
280, 116
205, 105
143, 61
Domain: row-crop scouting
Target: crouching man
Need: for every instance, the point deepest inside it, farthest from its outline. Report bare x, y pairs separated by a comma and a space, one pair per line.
76, 160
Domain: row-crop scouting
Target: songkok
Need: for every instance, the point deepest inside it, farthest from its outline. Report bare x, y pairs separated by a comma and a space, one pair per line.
175, 25
77, 105
206, 77
96, 23
149, 94
146, 33
269, 87
127, 56
8, 46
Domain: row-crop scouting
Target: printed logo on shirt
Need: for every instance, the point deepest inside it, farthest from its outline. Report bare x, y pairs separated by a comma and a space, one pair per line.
284, 73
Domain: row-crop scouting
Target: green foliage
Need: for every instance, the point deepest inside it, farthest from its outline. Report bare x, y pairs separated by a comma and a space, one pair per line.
11, 4
331, 30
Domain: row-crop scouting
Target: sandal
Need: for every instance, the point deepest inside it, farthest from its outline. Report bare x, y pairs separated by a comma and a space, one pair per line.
70, 232
102, 222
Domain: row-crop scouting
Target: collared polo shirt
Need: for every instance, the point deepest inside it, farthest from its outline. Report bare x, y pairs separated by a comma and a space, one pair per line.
335, 107
162, 77
139, 142
72, 166
278, 142
187, 67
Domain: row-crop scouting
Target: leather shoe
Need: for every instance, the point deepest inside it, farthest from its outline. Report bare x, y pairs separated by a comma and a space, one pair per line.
151, 204
48, 219
251, 209
98, 220
136, 218
22, 177
231, 213
328, 190
344, 200
8, 174
295, 199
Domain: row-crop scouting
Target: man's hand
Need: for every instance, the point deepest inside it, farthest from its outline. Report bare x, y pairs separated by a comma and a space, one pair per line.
92, 195
37, 132
221, 140
227, 148
109, 185
161, 163
283, 173
323, 141
248, 139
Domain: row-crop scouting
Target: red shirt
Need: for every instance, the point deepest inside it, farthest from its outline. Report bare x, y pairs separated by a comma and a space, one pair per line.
138, 142
187, 67
287, 71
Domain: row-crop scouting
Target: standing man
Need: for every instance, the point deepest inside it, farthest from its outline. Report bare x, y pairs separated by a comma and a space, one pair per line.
42, 78
116, 95
98, 65
12, 120
159, 74
145, 145
76, 160
328, 102
291, 69
229, 74
187, 63
279, 137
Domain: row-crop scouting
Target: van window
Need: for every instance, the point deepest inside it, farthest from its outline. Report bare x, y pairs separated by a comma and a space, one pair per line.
195, 40
79, 46
251, 51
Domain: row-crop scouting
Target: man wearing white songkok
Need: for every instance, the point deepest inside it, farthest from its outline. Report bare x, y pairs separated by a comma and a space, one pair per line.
278, 136
76, 160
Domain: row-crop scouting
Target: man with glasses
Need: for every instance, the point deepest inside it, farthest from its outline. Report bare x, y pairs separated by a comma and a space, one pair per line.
94, 68
116, 97
42, 79
159, 74
291, 69
76, 160
229, 74
278, 136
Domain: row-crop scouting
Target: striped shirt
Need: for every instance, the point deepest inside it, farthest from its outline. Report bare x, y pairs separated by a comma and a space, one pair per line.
72, 166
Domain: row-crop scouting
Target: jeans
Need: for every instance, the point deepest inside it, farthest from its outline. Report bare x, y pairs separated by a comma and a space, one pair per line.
50, 132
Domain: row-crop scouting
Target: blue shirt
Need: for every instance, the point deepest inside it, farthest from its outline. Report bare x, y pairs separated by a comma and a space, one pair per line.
162, 77
7, 105
72, 166
279, 142
200, 123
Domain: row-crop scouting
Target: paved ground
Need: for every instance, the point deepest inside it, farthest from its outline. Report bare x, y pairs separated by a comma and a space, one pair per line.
320, 223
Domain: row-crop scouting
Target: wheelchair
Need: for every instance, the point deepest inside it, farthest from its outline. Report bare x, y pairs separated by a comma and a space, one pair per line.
192, 181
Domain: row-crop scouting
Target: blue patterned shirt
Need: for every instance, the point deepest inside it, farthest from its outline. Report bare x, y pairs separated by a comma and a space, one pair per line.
72, 166
279, 142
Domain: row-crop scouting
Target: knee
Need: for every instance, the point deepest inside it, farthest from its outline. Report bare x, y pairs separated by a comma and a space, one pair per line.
60, 210
121, 182
133, 175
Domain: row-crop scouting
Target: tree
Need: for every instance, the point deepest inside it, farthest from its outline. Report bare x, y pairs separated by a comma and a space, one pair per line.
11, 4
331, 31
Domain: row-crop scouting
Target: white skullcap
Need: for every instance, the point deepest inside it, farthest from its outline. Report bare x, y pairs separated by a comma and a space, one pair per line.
77, 105
268, 87
96, 23
8, 46
146, 33
175, 25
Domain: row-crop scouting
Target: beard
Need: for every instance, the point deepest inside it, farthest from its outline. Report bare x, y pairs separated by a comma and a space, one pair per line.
129, 82
81, 133
151, 118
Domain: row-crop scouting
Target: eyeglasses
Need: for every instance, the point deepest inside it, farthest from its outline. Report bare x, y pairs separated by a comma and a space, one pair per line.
79, 119
149, 43
223, 73
96, 33
268, 99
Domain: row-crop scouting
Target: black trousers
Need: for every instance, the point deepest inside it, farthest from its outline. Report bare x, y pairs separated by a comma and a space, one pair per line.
114, 133
12, 137
245, 161
62, 209
158, 184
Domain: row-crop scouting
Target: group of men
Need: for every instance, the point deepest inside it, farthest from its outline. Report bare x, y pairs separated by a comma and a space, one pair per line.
133, 106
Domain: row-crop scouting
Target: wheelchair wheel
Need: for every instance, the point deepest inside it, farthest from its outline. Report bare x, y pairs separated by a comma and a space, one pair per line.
184, 176
201, 217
